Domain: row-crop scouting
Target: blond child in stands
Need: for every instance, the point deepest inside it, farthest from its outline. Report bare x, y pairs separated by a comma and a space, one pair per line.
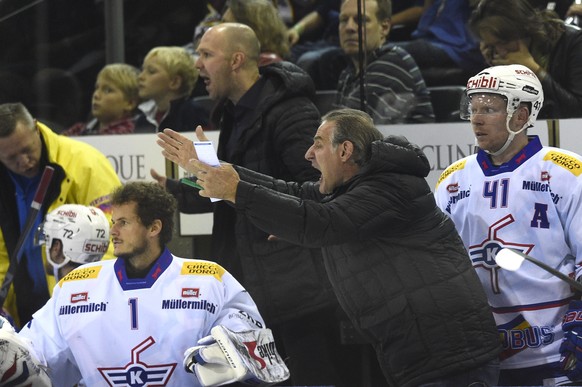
167, 79
114, 104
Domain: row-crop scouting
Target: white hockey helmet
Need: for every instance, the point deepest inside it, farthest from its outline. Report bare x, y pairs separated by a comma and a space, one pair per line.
82, 230
516, 83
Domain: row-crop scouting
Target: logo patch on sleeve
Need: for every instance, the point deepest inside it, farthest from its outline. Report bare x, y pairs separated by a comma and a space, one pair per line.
565, 161
81, 274
203, 268
452, 168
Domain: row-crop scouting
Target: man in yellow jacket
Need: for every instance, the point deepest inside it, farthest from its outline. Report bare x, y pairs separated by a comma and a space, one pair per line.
82, 175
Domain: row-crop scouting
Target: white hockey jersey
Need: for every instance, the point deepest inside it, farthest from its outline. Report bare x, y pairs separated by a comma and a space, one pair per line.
115, 331
532, 204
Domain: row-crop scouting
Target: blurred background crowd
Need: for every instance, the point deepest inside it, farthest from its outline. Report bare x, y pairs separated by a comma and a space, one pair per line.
53, 50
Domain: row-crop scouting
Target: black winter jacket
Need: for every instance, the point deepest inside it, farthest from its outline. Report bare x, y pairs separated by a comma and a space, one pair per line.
284, 279
396, 262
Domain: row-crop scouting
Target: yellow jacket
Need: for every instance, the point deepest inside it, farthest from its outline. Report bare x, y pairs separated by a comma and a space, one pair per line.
82, 175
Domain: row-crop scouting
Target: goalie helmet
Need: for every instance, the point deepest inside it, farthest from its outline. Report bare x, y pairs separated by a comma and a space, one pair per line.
82, 230
516, 83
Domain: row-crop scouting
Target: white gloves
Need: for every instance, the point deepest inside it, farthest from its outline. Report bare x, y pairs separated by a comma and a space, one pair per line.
18, 367
226, 357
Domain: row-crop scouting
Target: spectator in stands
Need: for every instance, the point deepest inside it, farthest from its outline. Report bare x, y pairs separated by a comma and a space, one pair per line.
267, 120
262, 17
442, 45
167, 79
114, 104
323, 59
320, 25
394, 89
574, 9
514, 32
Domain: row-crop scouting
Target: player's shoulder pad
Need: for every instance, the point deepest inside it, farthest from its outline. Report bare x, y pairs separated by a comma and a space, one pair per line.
456, 166
203, 268
568, 161
85, 272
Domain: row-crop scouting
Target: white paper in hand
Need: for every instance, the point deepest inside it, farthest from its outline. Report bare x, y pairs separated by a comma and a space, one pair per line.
207, 154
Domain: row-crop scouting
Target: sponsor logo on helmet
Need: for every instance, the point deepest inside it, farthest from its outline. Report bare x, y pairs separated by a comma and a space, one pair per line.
79, 297
530, 89
191, 292
483, 82
67, 213
92, 246
524, 71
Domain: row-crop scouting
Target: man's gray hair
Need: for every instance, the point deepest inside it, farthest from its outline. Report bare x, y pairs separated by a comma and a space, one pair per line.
10, 115
356, 127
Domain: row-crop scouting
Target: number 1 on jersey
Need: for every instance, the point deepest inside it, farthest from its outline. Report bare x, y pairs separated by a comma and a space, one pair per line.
132, 302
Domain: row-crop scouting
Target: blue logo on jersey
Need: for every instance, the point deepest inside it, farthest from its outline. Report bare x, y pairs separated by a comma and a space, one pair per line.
483, 254
137, 373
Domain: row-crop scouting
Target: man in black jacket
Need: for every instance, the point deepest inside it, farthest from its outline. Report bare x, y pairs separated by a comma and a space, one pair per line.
396, 262
266, 120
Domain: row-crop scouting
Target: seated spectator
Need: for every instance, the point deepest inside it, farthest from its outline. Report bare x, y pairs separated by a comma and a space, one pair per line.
514, 32
263, 18
442, 45
315, 31
323, 59
394, 89
574, 10
58, 98
114, 104
167, 79
558, 6
405, 17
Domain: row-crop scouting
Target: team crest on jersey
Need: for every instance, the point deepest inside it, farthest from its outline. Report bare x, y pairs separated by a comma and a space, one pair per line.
483, 254
137, 373
203, 268
565, 161
80, 274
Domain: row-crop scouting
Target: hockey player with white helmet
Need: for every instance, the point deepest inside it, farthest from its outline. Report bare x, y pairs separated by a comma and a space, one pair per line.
516, 84
73, 234
516, 193
148, 317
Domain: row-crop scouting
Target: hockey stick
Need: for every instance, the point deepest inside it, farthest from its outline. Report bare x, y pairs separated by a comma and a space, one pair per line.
35, 207
510, 259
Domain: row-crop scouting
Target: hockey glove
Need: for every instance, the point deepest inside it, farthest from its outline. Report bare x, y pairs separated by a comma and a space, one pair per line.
18, 367
227, 357
571, 347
